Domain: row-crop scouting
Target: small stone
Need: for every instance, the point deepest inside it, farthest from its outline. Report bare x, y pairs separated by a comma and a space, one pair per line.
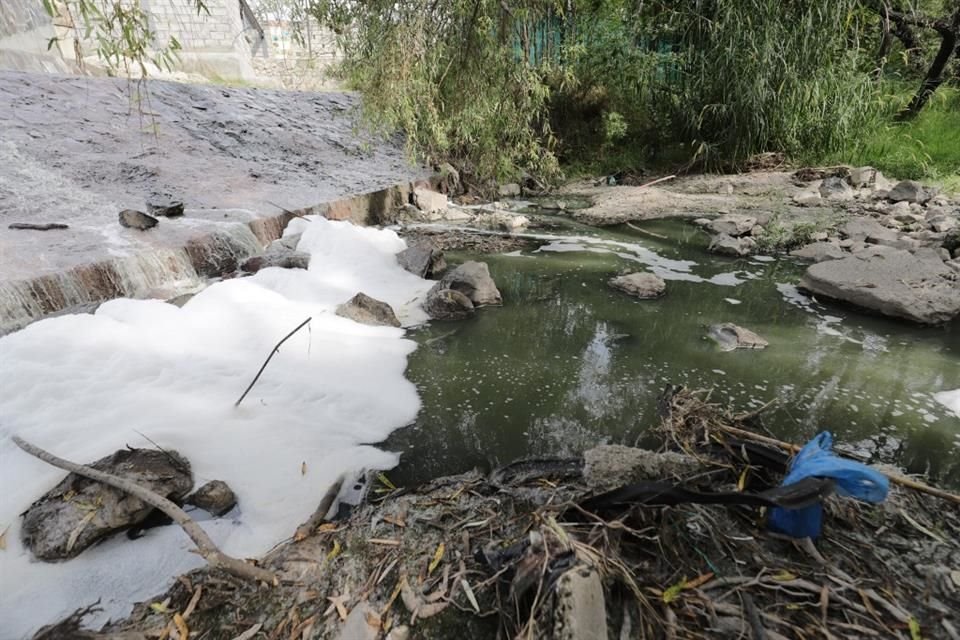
726, 245
944, 254
277, 257
159, 206
836, 188
818, 252
473, 280
509, 190
447, 304
429, 201
733, 224
941, 224
366, 310
730, 336
216, 498
645, 286
808, 198
133, 219
581, 610
422, 259
909, 191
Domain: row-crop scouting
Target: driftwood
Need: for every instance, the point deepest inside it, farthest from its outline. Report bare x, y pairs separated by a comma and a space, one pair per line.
318, 516
30, 226
205, 546
269, 357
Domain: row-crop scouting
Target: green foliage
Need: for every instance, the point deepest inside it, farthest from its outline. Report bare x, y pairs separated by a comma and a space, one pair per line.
759, 75
448, 76
119, 32
927, 147
784, 234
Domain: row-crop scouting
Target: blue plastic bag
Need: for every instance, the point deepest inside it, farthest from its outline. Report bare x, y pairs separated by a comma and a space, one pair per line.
851, 479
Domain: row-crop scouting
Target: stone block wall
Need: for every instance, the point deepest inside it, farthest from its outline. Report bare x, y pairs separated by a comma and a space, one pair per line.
25, 32
215, 45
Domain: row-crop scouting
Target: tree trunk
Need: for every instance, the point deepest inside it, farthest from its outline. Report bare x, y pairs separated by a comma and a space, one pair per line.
934, 78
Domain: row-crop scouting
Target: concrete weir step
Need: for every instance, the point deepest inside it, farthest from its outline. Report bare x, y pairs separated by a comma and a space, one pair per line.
77, 151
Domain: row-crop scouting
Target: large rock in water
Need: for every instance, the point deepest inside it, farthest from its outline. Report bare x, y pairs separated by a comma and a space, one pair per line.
473, 280
447, 304
422, 259
366, 310
79, 512
645, 286
917, 287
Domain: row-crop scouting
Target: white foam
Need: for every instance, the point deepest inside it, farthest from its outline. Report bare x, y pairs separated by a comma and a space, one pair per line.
82, 386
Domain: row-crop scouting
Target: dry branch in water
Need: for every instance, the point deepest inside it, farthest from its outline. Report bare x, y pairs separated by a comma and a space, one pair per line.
205, 546
270, 357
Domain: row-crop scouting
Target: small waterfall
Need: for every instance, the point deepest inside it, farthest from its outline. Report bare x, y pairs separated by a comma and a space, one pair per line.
160, 273
155, 273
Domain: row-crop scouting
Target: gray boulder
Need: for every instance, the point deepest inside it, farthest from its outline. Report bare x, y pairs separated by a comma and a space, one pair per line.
733, 224
913, 286
473, 280
366, 310
216, 497
730, 336
423, 260
727, 245
277, 256
835, 188
133, 219
868, 230
163, 206
819, 252
613, 465
641, 285
78, 512
447, 304
429, 201
909, 191
509, 190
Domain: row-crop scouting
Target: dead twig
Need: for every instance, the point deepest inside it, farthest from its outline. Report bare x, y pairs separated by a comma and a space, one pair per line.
270, 357
205, 546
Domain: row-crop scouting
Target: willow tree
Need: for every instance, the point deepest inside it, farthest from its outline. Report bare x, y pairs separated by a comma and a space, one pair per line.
481, 81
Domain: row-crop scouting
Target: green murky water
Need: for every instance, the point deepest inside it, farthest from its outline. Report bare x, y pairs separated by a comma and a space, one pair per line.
568, 363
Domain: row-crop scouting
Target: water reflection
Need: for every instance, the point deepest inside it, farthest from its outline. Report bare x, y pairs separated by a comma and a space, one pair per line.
567, 363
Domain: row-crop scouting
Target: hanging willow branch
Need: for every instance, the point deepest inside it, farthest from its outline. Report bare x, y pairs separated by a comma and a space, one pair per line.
205, 546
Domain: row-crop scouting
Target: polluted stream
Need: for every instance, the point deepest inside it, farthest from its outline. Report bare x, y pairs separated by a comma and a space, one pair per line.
568, 363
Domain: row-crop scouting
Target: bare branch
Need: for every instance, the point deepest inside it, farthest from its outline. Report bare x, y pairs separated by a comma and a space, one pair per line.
269, 357
205, 546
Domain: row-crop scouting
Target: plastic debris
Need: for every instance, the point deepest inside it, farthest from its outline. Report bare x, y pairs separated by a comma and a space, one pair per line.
851, 478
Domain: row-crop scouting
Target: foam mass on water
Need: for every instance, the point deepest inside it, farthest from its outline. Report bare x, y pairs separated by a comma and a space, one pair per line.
83, 386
